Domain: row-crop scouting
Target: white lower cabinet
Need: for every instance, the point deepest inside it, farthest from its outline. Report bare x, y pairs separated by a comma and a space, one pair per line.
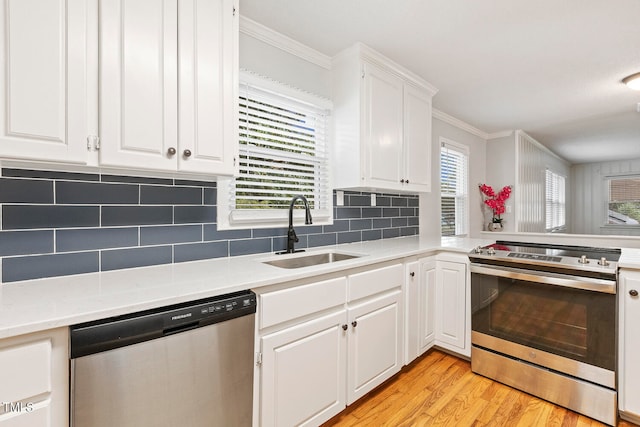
629, 346
437, 305
34, 380
375, 343
303, 377
450, 307
321, 345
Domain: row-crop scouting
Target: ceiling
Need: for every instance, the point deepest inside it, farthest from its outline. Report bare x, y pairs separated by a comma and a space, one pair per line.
551, 68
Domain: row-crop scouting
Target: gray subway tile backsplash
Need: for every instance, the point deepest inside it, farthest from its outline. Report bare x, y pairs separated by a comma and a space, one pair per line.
163, 195
71, 240
15, 217
116, 259
136, 215
170, 234
95, 193
62, 223
26, 242
25, 191
39, 266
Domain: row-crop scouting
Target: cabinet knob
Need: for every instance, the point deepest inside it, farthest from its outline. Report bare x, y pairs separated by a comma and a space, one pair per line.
345, 327
186, 153
412, 274
354, 323
407, 181
402, 181
633, 293
171, 151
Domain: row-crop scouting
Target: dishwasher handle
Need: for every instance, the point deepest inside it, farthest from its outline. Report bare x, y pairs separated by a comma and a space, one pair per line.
108, 334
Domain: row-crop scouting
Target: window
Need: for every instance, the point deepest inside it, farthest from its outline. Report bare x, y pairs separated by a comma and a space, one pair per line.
555, 206
454, 188
283, 139
624, 200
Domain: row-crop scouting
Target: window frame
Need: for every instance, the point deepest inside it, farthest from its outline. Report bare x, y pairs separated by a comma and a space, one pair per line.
606, 194
230, 218
556, 176
464, 224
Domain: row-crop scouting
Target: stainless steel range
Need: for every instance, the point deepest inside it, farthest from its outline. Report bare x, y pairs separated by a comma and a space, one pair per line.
544, 321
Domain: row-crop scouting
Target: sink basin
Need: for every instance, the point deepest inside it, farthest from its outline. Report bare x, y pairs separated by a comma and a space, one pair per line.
310, 260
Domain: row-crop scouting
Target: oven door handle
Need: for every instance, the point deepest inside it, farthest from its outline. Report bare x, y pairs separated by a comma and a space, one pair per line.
585, 283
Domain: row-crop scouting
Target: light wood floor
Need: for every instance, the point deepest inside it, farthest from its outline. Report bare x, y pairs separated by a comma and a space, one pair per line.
440, 389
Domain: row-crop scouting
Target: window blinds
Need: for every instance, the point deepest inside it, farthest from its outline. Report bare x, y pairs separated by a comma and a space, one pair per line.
454, 166
282, 150
555, 206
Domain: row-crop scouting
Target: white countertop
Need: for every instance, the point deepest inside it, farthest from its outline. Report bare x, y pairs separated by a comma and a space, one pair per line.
41, 304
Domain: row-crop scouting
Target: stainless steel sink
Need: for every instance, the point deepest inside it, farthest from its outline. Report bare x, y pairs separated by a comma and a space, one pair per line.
311, 260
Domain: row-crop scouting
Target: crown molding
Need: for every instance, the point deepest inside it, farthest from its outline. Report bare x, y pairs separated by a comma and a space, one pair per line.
441, 115
282, 42
502, 134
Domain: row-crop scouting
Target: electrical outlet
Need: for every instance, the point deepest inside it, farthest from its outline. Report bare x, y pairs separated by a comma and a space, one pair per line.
373, 199
508, 208
339, 198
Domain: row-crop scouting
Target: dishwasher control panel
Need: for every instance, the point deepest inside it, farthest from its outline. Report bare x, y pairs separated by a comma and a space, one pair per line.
211, 311
114, 332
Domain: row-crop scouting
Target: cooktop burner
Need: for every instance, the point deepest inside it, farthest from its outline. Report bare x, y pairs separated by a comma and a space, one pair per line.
548, 256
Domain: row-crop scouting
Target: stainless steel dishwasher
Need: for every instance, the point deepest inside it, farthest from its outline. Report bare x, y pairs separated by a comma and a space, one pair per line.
186, 365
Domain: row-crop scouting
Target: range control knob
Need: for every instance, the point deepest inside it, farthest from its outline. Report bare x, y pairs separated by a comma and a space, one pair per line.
478, 250
603, 261
491, 251
583, 260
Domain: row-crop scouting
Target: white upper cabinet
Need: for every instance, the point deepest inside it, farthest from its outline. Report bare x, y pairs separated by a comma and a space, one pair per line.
382, 115
155, 80
169, 85
43, 80
417, 138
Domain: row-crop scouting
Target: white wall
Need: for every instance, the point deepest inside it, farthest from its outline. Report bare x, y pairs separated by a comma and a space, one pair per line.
589, 196
501, 171
520, 161
430, 202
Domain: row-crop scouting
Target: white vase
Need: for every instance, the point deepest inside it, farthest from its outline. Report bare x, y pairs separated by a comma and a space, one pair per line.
494, 226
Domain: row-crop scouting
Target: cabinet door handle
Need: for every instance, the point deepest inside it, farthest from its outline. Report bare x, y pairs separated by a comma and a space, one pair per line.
186, 153
345, 327
354, 323
633, 293
171, 151
412, 274
407, 181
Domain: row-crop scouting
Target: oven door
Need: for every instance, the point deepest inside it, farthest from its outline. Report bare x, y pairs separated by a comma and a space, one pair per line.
562, 317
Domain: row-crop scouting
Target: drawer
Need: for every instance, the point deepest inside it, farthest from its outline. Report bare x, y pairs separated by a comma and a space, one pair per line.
25, 370
286, 304
375, 281
28, 416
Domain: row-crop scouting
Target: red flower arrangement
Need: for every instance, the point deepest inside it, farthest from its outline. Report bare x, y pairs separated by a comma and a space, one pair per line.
495, 201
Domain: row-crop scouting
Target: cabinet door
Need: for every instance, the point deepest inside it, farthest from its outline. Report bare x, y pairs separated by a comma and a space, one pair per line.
412, 312
302, 373
450, 297
208, 101
426, 298
34, 384
375, 343
138, 83
629, 344
43, 80
382, 127
417, 139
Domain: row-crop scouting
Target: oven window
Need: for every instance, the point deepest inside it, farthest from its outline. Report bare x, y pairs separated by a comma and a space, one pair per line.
573, 323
